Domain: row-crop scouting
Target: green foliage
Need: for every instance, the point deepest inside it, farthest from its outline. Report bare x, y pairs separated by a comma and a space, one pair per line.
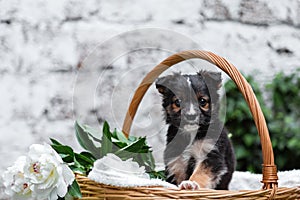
74, 190
111, 142
132, 147
80, 163
240, 123
282, 113
86, 137
285, 122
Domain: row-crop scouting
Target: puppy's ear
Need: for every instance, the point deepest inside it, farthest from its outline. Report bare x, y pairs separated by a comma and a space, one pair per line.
212, 79
165, 85
160, 85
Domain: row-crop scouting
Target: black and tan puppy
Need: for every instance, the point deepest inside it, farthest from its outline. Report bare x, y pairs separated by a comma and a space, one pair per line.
198, 152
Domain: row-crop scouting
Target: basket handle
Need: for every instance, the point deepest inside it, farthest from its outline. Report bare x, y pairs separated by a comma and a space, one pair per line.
269, 169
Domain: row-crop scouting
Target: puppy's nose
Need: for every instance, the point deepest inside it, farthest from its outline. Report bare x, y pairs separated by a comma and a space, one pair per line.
190, 117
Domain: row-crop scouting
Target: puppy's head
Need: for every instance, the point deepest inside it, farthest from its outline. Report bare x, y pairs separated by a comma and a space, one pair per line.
190, 100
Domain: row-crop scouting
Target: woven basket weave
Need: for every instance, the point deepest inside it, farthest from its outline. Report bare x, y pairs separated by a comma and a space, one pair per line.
92, 190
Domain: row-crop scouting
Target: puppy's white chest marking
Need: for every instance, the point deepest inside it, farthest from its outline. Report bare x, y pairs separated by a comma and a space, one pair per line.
191, 128
199, 149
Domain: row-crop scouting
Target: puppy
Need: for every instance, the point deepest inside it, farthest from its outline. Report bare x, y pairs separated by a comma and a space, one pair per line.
198, 153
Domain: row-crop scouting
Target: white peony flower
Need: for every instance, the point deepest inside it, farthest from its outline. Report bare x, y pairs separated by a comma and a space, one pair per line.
40, 175
46, 171
16, 184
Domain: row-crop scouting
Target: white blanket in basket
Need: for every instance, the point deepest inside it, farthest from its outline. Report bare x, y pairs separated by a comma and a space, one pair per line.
111, 170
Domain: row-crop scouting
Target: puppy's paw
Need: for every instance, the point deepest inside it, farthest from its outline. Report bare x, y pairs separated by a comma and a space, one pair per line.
189, 185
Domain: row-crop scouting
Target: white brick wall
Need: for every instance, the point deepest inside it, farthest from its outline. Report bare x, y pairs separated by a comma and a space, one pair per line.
43, 42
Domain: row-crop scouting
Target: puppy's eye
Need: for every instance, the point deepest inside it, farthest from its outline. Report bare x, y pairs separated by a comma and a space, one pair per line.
203, 102
177, 102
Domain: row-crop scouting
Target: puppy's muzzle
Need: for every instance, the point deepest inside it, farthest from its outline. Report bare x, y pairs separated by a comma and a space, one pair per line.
191, 117
191, 114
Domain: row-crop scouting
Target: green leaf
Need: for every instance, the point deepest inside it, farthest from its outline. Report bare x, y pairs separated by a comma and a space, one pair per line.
132, 149
84, 160
106, 128
86, 138
147, 160
92, 133
65, 152
249, 139
78, 169
106, 146
121, 137
74, 190
55, 141
63, 149
158, 174
119, 145
132, 138
88, 155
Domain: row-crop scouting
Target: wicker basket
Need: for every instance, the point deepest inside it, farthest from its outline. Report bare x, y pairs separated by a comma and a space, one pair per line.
92, 190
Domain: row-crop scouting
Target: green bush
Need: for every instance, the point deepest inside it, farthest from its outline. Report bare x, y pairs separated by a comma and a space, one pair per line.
282, 112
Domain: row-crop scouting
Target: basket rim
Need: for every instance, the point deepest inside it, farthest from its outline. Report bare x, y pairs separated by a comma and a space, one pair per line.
90, 188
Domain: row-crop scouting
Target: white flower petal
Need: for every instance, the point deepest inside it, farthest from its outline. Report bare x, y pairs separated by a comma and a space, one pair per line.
50, 181
62, 188
68, 174
41, 174
53, 195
